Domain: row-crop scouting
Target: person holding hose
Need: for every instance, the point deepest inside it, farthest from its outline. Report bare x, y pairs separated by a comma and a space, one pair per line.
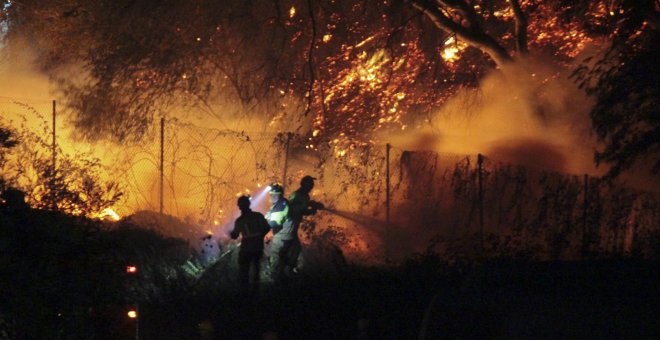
286, 243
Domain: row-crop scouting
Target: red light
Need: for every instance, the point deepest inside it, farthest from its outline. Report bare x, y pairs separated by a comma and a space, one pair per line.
131, 269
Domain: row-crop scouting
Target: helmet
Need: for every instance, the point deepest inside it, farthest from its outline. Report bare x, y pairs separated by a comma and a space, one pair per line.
243, 202
276, 189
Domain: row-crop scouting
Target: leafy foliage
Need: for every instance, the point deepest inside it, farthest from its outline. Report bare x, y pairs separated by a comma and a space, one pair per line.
7, 141
626, 93
76, 186
371, 64
626, 113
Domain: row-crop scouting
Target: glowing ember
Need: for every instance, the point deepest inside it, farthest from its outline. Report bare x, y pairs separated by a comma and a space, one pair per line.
452, 49
450, 54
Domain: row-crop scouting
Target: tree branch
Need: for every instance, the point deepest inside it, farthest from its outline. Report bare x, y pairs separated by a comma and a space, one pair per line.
521, 27
466, 9
473, 35
310, 60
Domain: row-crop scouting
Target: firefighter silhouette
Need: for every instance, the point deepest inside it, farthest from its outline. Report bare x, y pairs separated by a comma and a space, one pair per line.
286, 244
252, 227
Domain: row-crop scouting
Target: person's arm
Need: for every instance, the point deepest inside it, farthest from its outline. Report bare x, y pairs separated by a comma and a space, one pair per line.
299, 205
313, 207
265, 227
234, 233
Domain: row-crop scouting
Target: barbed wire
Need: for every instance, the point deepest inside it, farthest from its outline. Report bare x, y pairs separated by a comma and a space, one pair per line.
431, 193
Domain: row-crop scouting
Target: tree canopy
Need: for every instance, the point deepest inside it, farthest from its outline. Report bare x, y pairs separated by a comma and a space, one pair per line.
334, 71
625, 116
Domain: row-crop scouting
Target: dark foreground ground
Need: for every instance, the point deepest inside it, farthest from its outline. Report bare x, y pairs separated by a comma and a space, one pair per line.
614, 299
64, 278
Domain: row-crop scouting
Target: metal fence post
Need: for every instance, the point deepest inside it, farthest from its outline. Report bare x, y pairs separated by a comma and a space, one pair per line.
54, 171
480, 161
387, 183
585, 206
162, 160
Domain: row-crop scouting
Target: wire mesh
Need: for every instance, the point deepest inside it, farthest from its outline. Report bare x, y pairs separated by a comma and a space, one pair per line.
460, 205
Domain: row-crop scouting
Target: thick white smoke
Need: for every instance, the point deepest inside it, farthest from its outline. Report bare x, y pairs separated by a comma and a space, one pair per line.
528, 113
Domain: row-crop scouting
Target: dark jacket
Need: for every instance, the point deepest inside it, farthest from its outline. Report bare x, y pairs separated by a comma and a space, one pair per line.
298, 207
252, 226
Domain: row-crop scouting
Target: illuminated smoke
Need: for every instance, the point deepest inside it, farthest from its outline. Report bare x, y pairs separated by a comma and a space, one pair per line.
258, 199
526, 114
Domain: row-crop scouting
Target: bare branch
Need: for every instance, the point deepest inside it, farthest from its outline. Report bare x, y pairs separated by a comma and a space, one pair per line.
473, 35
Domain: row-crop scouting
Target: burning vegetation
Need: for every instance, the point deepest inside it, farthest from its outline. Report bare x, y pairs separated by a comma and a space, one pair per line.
338, 79
452, 141
355, 68
339, 76
52, 179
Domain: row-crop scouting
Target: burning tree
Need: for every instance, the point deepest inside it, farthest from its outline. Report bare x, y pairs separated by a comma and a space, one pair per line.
332, 71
